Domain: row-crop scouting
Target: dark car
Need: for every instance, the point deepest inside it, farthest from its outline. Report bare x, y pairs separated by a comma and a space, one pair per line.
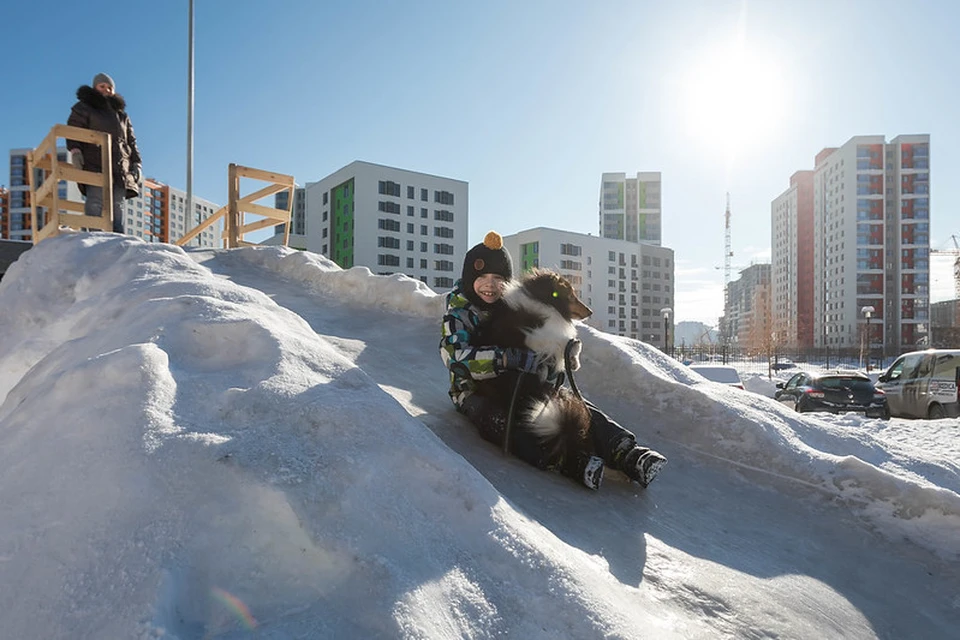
835, 392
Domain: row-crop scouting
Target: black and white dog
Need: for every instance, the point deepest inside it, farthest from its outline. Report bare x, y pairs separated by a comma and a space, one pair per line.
537, 313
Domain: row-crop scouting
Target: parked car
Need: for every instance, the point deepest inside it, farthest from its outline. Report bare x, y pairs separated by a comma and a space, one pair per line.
722, 373
833, 392
923, 384
783, 363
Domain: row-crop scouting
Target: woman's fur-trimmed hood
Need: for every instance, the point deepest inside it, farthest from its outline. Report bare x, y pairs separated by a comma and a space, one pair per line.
90, 96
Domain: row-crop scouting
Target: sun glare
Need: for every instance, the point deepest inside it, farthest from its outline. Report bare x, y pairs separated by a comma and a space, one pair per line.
734, 98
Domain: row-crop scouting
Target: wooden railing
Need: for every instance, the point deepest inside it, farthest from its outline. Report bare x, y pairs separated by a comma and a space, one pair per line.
47, 194
234, 227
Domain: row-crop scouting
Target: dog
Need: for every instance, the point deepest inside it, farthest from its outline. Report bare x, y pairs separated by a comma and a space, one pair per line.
537, 312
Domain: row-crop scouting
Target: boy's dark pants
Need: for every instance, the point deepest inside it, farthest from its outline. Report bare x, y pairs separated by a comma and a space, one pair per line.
610, 440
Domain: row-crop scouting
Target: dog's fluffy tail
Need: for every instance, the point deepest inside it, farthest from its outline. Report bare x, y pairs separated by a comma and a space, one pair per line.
563, 422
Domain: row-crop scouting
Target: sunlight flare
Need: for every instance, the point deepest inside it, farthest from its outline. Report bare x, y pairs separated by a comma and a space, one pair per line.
733, 98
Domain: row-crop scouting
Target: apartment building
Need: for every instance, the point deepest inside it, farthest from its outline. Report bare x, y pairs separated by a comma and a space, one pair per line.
160, 214
298, 219
630, 208
870, 246
4, 211
15, 223
627, 284
747, 313
390, 220
791, 277
944, 325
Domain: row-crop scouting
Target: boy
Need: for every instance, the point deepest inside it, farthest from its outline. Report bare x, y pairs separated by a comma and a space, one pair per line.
473, 299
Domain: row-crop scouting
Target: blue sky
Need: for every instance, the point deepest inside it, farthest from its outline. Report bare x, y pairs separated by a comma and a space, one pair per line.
530, 102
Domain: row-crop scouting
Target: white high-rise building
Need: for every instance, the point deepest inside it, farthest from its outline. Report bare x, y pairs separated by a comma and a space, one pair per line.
871, 244
630, 208
389, 220
627, 284
791, 277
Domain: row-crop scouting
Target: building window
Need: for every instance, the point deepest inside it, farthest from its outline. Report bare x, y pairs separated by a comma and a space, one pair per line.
389, 188
388, 242
388, 207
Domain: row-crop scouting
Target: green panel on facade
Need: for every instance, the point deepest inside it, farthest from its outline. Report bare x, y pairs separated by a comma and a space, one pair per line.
341, 242
529, 256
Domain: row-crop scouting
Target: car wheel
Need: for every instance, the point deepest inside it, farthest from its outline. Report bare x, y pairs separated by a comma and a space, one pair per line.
886, 413
799, 406
935, 412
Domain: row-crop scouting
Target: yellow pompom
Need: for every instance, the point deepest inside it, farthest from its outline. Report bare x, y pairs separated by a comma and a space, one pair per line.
493, 241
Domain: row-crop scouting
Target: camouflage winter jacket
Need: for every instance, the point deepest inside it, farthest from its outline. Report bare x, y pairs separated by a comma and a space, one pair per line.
465, 361
468, 362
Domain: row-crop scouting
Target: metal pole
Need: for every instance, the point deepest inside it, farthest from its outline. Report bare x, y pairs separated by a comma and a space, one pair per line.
190, 212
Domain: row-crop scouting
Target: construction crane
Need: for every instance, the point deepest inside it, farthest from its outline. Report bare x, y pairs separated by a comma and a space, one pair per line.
956, 263
727, 257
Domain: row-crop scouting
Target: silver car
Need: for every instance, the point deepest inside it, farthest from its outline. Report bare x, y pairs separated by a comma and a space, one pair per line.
923, 384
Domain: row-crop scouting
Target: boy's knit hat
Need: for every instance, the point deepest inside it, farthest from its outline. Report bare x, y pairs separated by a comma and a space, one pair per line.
102, 77
490, 256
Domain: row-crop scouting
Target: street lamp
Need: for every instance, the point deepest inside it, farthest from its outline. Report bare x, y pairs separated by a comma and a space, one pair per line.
665, 312
867, 311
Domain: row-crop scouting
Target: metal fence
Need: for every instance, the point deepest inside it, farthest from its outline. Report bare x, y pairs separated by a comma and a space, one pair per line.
783, 363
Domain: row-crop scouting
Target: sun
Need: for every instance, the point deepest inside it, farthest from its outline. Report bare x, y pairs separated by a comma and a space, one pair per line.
733, 98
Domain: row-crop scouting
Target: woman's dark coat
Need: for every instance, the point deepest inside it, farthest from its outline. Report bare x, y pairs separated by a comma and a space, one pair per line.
96, 111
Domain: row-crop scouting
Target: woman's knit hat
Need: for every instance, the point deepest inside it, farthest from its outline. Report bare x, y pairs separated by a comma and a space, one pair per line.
490, 256
102, 77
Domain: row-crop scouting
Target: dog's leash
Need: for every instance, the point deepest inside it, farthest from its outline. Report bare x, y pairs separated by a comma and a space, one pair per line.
513, 403
568, 370
516, 391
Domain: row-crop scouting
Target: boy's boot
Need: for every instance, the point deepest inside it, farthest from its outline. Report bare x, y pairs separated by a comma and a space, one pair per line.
593, 472
584, 468
642, 464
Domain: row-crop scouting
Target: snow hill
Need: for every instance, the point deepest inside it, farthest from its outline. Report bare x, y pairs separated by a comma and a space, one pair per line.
256, 443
